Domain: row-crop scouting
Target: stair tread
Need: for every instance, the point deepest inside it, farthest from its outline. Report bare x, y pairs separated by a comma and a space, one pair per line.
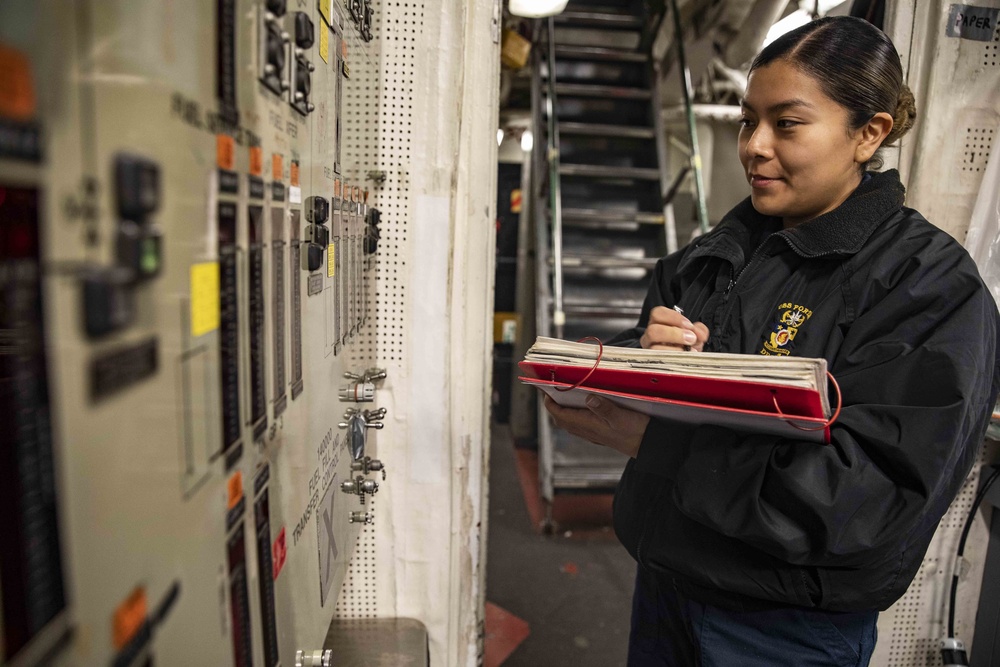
604, 171
593, 90
611, 215
604, 17
605, 130
599, 53
608, 262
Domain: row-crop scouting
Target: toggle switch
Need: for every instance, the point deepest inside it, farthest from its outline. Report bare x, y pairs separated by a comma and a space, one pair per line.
317, 210
137, 187
314, 256
305, 35
108, 301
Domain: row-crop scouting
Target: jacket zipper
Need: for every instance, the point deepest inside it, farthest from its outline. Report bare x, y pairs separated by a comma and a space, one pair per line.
735, 279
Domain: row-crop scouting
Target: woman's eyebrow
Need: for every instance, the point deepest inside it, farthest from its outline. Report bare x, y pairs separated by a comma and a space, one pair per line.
780, 106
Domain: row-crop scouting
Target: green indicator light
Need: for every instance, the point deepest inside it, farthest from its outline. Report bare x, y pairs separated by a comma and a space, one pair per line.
150, 257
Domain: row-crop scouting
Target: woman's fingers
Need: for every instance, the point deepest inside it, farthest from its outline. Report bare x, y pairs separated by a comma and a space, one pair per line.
670, 330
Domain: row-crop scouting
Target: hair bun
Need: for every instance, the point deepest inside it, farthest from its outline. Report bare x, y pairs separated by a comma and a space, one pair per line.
904, 115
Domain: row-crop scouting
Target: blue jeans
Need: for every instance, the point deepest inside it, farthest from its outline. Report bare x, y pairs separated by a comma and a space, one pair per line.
669, 629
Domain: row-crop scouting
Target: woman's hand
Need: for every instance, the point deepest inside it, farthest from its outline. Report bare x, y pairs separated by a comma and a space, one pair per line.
670, 330
603, 423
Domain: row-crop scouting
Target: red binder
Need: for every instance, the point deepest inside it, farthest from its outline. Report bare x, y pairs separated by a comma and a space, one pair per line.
756, 407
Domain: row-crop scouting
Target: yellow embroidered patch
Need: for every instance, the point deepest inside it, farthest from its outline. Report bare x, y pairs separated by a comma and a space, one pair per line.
779, 339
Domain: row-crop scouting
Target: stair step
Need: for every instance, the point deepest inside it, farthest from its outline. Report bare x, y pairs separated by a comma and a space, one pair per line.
607, 262
600, 130
602, 310
600, 17
599, 53
603, 171
609, 216
603, 92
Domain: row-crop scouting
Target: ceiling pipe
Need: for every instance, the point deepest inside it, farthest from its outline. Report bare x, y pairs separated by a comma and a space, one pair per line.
753, 30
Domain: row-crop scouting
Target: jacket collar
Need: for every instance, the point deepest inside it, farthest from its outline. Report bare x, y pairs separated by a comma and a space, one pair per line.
843, 230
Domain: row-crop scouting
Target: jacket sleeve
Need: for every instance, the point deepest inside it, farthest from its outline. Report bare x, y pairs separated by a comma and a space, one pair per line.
919, 375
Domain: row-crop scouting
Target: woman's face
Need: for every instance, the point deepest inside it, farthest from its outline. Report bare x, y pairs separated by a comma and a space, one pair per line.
797, 150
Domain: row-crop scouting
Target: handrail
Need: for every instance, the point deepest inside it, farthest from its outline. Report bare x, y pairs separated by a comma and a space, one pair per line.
685, 77
558, 314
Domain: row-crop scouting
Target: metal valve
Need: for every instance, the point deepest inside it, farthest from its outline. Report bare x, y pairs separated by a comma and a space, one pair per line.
359, 486
366, 518
314, 658
363, 387
368, 465
374, 416
357, 425
358, 392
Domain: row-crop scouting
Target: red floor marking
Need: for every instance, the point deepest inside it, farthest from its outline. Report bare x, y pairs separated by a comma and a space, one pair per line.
586, 513
504, 633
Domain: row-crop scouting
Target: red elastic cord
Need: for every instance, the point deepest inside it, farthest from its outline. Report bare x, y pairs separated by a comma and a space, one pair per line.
829, 422
600, 353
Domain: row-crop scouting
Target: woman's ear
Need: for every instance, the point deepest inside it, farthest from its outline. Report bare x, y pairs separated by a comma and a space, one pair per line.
871, 135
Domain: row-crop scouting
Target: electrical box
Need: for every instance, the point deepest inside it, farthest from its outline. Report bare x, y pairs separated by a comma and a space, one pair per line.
184, 283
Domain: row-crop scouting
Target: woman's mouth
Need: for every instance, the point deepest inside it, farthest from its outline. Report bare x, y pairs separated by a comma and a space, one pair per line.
757, 181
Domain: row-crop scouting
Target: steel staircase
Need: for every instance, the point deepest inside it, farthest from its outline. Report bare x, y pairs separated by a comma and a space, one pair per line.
601, 219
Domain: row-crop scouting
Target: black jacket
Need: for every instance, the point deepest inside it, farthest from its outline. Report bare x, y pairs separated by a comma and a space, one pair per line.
898, 310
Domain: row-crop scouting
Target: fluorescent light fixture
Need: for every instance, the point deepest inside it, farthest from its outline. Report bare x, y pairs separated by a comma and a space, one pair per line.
500, 137
534, 9
527, 141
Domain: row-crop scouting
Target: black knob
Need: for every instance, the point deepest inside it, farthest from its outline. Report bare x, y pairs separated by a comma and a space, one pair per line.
305, 36
317, 210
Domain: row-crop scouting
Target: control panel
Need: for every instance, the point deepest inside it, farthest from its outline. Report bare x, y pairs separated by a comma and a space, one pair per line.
186, 266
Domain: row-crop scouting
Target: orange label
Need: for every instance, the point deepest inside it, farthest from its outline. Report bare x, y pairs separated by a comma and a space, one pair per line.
277, 171
225, 152
256, 160
515, 201
17, 94
343, 48
336, 188
235, 489
129, 617
294, 168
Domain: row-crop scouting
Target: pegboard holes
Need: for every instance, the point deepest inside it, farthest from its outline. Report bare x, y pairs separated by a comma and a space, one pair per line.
992, 56
978, 144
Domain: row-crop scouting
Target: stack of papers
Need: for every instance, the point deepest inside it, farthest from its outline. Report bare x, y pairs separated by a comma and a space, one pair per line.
759, 394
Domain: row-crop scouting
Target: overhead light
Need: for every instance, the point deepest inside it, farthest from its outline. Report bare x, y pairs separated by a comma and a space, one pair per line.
527, 141
500, 137
534, 9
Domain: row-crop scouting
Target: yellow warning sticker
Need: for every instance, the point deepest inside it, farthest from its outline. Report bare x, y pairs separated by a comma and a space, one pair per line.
325, 9
331, 262
204, 298
324, 43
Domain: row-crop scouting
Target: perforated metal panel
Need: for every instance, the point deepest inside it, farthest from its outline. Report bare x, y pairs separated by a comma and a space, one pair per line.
911, 630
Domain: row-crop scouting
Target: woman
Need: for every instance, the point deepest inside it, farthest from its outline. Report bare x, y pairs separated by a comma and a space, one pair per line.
757, 550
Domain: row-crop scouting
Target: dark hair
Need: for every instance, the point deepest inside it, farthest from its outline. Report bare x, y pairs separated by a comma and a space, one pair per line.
855, 64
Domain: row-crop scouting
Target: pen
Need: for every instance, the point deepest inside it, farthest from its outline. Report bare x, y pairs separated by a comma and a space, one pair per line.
687, 348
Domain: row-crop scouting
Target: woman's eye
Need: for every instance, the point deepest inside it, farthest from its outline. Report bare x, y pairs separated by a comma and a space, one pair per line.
746, 122
786, 124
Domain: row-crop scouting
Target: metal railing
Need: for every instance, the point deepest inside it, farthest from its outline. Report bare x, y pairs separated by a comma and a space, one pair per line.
555, 191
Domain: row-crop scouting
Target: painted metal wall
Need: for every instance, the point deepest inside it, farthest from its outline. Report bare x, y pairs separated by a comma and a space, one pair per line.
437, 91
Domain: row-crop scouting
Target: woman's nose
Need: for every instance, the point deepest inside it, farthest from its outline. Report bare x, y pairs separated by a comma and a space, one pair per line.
759, 143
